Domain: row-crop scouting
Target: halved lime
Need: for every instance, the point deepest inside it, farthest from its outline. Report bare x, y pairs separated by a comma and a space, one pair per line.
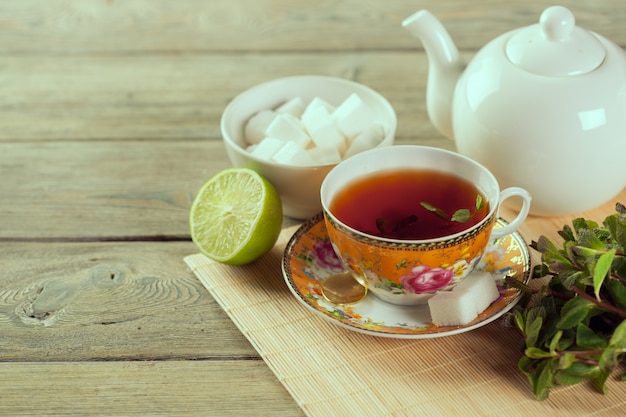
236, 216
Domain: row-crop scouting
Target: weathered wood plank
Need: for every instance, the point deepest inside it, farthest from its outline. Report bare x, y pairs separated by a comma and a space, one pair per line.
131, 26
180, 97
100, 189
174, 388
109, 301
105, 190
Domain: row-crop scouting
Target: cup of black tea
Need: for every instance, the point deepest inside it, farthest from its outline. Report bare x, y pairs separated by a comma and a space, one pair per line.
409, 221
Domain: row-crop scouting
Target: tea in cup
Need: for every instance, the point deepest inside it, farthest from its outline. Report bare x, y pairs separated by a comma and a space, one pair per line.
409, 221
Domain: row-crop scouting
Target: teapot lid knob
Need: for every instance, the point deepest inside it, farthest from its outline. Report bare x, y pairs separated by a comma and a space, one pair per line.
555, 46
557, 23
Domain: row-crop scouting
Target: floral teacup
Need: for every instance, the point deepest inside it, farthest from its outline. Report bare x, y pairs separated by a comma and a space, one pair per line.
409, 272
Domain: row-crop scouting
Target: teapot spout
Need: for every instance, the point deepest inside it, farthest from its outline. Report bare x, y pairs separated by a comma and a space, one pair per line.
445, 66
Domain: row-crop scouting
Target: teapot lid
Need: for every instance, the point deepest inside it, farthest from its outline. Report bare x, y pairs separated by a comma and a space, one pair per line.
555, 46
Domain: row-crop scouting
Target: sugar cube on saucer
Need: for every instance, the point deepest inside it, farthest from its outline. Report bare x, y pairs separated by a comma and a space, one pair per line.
465, 302
451, 308
483, 288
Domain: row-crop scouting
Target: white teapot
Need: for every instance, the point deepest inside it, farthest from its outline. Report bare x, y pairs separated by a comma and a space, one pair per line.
543, 107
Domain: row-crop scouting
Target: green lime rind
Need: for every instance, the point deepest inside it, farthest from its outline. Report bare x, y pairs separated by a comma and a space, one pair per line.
236, 217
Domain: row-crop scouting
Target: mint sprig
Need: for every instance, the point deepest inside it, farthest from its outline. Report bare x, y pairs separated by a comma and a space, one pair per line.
461, 215
399, 227
574, 326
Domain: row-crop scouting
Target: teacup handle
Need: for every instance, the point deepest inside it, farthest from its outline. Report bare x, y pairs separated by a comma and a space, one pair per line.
521, 216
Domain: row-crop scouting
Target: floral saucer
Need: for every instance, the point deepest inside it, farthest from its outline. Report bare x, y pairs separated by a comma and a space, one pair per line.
309, 258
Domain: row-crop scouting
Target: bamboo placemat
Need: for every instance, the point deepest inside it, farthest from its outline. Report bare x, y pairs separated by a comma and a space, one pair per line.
332, 371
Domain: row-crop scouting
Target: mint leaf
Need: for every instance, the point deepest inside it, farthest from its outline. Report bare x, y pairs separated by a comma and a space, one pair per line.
617, 292
566, 377
532, 331
381, 224
567, 360
543, 380
600, 381
536, 353
618, 339
461, 216
602, 268
616, 224
435, 210
479, 202
574, 312
588, 339
587, 238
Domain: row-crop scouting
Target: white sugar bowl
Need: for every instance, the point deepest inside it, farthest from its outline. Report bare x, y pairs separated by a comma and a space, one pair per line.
304, 134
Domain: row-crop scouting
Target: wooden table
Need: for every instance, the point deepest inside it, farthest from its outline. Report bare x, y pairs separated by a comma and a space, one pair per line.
109, 124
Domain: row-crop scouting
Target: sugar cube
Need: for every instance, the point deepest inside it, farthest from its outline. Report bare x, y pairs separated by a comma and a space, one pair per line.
315, 103
288, 128
295, 107
451, 308
323, 129
267, 148
325, 155
369, 138
466, 300
256, 126
483, 288
353, 115
316, 130
293, 154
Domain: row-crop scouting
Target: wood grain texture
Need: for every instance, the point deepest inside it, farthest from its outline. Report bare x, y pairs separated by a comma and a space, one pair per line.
193, 26
172, 97
102, 190
147, 388
109, 301
107, 190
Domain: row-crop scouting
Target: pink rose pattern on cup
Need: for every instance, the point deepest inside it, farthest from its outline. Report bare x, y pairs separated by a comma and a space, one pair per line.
421, 279
325, 256
424, 279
